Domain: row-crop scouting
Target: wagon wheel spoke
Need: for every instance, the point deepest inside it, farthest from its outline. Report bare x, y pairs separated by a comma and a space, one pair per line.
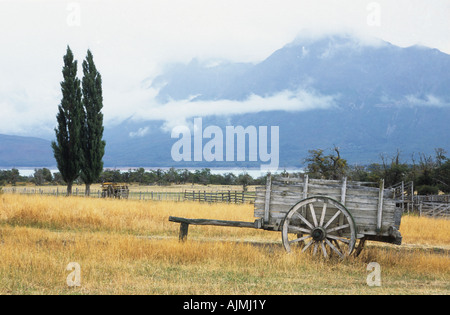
331, 220
338, 228
300, 239
324, 250
304, 220
337, 238
335, 242
316, 245
297, 229
313, 214
335, 249
322, 217
307, 246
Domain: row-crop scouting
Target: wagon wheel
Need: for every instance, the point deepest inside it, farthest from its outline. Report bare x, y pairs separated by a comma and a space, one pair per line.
332, 227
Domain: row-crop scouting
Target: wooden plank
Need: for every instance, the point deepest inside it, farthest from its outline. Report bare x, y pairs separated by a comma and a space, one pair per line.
305, 187
335, 193
294, 180
282, 211
343, 194
213, 222
184, 228
388, 218
305, 193
343, 190
325, 189
380, 206
351, 204
267, 198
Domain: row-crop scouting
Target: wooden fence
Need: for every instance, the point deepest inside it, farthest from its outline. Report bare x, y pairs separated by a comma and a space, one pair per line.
228, 196
434, 209
134, 195
221, 196
432, 198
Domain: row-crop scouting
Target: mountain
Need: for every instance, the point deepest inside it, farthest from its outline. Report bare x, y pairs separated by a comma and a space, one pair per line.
384, 98
366, 98
18, 151
360, 73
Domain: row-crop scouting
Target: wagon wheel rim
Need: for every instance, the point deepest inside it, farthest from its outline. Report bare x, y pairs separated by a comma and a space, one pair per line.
322, 224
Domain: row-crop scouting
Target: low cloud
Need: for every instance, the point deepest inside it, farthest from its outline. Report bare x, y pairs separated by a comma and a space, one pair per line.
176, 113
140, 133
429, 101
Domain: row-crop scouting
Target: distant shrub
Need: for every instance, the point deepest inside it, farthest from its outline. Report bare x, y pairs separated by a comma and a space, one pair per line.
427, 190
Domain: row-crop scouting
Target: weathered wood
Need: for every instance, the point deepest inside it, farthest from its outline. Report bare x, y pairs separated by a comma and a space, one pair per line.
305, 187
323, 189
343, 190
343, 194
434, 209
267, 198
380, 207
327, 212
215, 222
293, 180
184, 229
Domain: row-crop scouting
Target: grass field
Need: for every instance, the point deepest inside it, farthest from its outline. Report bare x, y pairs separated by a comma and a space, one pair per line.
130, 247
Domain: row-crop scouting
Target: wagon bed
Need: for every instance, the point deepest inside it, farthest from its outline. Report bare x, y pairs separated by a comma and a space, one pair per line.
327, 216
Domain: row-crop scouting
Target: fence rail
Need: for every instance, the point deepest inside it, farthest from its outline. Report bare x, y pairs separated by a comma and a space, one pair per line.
432, 198
435, 209
228, 196
221, 196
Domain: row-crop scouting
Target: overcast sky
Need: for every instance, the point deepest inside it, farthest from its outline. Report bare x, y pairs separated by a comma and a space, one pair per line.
133, 40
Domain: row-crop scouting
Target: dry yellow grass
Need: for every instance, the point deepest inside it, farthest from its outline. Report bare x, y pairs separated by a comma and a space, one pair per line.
129, 247
425, 231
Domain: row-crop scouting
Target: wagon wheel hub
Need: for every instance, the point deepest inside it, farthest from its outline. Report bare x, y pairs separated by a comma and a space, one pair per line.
319, 234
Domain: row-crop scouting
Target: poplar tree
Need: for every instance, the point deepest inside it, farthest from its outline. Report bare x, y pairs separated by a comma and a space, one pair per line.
67, 147
93, 147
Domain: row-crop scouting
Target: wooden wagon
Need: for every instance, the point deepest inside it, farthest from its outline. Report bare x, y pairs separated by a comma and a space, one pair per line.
323, 216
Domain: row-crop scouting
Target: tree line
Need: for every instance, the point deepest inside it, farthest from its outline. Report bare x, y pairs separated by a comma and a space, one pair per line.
430, 173
138, 176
